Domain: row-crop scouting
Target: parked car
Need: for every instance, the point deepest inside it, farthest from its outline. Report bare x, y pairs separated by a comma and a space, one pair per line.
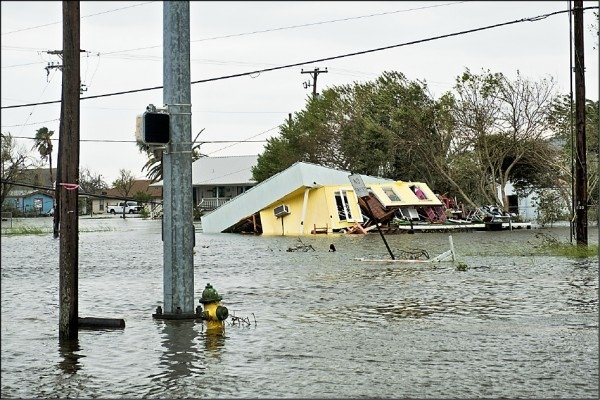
50, 212
131, 207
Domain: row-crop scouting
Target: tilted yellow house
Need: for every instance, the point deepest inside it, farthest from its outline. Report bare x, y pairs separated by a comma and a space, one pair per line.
308, 198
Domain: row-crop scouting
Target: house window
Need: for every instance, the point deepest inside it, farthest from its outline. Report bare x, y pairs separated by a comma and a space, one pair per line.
389, 192
218, 191
341, 201
101, 206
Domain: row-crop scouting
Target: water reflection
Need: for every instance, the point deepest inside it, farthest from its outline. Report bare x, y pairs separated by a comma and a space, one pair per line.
68, 350
180, 357
214, 341
582, 293
185, 346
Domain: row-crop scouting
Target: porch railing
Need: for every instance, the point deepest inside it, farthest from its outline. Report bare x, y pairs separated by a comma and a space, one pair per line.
210, 203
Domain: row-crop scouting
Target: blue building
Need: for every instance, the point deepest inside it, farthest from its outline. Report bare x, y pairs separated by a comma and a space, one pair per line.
29, 203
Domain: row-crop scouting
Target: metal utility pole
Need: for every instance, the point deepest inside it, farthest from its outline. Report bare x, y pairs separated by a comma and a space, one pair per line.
178, 226
314, 73
68, 161
581, 195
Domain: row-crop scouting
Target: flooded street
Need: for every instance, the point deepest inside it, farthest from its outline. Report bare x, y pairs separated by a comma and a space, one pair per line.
516, 323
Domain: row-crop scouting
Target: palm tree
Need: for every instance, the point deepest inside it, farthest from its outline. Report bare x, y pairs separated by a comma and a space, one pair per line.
154, 164
43, 144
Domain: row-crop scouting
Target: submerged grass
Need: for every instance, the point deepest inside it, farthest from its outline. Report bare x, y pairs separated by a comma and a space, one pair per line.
23, 230
553, 246
34, 230
575, 251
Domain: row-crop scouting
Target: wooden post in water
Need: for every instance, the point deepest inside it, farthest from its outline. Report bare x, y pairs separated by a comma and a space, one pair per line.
581, 195
68, 160
361, 191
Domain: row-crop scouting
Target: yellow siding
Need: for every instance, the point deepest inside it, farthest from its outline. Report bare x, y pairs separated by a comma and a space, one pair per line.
321, 211
407, 196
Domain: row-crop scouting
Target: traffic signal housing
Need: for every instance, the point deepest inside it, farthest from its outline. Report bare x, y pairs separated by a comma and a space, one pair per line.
155, 128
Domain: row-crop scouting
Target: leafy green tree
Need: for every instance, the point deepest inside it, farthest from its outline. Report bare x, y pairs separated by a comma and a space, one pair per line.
43, 144
153, 165
277, 156
504, 122
143, 198
465, 144
550, 207
366, 128
562, 123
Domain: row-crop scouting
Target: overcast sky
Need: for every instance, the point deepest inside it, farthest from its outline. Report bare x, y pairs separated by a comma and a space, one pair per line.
123, 41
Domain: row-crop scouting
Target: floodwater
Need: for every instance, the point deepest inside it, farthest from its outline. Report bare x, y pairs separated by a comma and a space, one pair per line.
516, 323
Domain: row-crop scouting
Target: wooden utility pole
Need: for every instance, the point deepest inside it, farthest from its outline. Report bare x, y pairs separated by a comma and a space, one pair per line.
314, 73
68, 167
581, 195
57, 188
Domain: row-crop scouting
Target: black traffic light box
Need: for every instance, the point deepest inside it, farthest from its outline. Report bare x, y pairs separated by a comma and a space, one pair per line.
156, 128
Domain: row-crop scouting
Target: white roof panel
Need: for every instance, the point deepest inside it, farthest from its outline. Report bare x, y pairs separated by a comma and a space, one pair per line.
233, 170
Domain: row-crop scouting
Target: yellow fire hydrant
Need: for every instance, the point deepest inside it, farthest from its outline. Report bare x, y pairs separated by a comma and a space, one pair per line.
214, 313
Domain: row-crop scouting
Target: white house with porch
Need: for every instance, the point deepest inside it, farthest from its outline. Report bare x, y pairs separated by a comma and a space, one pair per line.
216, 180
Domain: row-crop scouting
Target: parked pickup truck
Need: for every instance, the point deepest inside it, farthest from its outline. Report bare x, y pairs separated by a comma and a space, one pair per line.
130, 208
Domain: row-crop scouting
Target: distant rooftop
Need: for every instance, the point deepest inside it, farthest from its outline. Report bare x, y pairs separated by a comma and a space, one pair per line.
229, 170
232, 170
139, 185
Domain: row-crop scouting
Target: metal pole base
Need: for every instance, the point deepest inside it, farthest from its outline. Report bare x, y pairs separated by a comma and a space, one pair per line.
175, 316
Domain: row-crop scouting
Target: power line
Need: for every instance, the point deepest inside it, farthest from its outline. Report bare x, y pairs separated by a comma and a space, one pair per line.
31, 123
85, 16
357, 53
222, 176
33, 109
233, 34
21, 48
134, 141
243, 141
23, 65
328, 21
296, 26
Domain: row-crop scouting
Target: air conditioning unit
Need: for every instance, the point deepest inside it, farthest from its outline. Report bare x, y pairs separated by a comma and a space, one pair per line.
281, 211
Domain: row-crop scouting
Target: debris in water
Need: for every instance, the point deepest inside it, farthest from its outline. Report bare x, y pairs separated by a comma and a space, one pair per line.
301, 247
